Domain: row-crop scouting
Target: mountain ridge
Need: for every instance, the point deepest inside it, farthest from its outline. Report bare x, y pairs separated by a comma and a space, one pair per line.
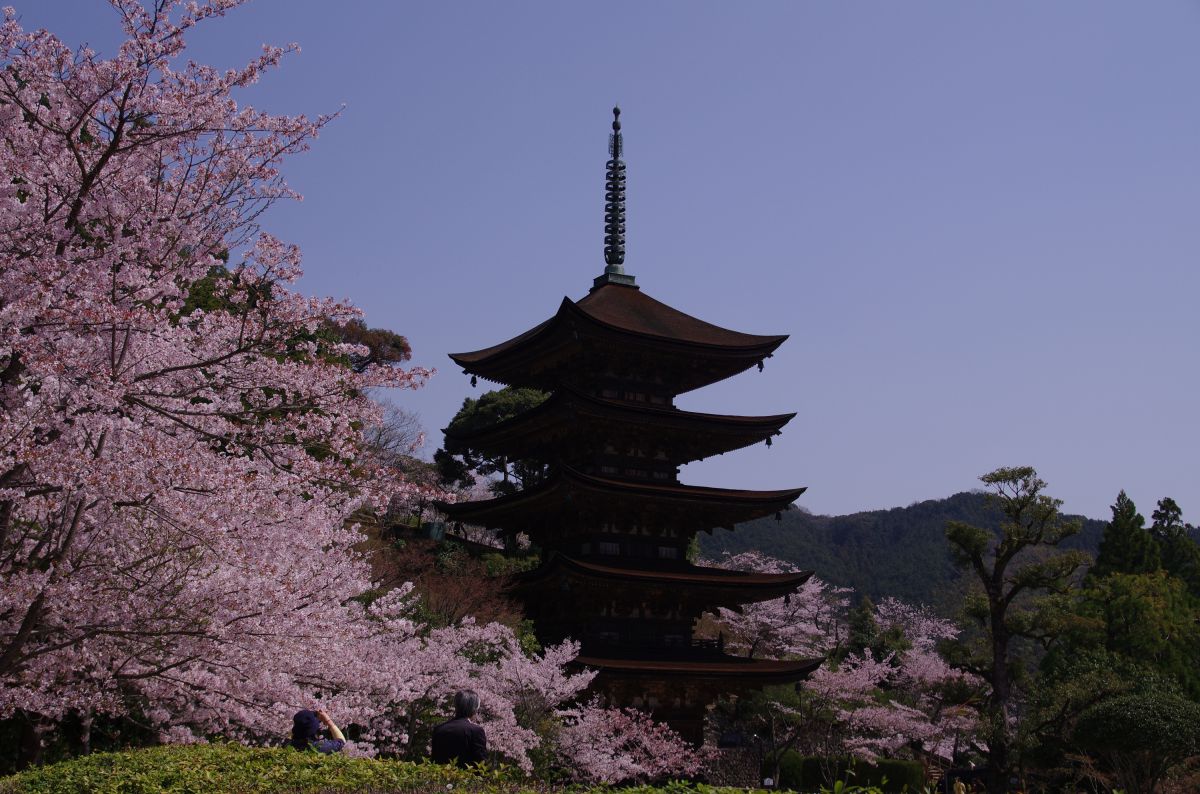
900, 551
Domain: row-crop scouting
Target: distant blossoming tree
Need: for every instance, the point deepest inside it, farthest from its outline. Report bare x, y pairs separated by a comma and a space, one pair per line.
904, 697
807, 623
881, 699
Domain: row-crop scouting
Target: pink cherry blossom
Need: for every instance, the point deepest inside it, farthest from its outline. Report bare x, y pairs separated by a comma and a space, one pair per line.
883, 705
898, 701
807, 623
176, 467
606, 745
182, 442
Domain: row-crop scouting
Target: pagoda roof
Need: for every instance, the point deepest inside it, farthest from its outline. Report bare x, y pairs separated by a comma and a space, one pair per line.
714, 586
629, 309
683, 575
628, 313
750, 670
692, 506
703, 434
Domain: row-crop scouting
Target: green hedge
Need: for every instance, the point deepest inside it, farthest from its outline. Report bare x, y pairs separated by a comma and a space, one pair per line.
807, 773
224, 768
235, 769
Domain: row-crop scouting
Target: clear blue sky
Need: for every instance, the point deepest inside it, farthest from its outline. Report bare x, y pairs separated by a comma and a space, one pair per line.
978, 221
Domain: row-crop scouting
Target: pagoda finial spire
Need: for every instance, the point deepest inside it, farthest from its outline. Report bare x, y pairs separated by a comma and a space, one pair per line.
614, 210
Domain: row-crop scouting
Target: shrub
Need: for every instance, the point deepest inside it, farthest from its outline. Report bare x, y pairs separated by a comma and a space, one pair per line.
1141, 736
807, 773
236, 769
221, 768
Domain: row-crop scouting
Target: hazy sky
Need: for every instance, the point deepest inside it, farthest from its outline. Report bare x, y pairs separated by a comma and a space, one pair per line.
978, 221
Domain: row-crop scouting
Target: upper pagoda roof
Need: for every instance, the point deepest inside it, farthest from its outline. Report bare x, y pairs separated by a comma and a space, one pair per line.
629, 309
700, 434
623, 311
572, 493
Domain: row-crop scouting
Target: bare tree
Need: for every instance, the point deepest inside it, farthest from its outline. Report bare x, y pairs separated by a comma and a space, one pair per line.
396, 436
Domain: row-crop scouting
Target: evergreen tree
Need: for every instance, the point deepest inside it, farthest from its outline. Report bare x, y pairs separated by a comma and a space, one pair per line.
862, 627
867, 636
1148, 618
457, 459
1126, 546
1180, 553
1075, 676
1168, 519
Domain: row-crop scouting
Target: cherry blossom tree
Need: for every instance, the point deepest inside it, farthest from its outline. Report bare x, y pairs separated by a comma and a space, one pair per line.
807, 623
870, 701
182, 434
903, 699
180, 437
400, 683
606, 745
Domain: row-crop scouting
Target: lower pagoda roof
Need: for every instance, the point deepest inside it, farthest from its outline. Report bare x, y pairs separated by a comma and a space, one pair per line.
687, 435
749, 586
587, 497
749, 672
697, 588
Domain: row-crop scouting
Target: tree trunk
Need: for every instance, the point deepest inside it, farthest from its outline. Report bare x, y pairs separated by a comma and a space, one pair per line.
33, 741
85, 733
999, 761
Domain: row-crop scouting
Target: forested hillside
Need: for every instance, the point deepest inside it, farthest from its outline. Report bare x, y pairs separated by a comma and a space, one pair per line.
900, 552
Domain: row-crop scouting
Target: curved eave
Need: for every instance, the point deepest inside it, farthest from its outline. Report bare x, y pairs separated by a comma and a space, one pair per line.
750, 671
725, 432
718, 578
691, 493
693, 336
481, 357
519, 507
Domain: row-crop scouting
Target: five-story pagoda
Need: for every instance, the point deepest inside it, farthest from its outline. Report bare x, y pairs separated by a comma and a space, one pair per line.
612, 520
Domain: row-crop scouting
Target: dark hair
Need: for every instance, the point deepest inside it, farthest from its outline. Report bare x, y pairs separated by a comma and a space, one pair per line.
466, 703
306, 726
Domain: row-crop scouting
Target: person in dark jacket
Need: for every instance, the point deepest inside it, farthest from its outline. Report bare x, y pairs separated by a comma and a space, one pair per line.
306, 732
460, 741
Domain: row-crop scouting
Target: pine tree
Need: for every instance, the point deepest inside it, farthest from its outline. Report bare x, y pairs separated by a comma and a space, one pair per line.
1180, 553
1013, 566
458, 460
1168, 519
1126, 546
863, 628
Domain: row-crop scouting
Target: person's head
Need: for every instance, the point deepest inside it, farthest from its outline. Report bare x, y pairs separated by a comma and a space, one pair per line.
466, 703
306, 727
